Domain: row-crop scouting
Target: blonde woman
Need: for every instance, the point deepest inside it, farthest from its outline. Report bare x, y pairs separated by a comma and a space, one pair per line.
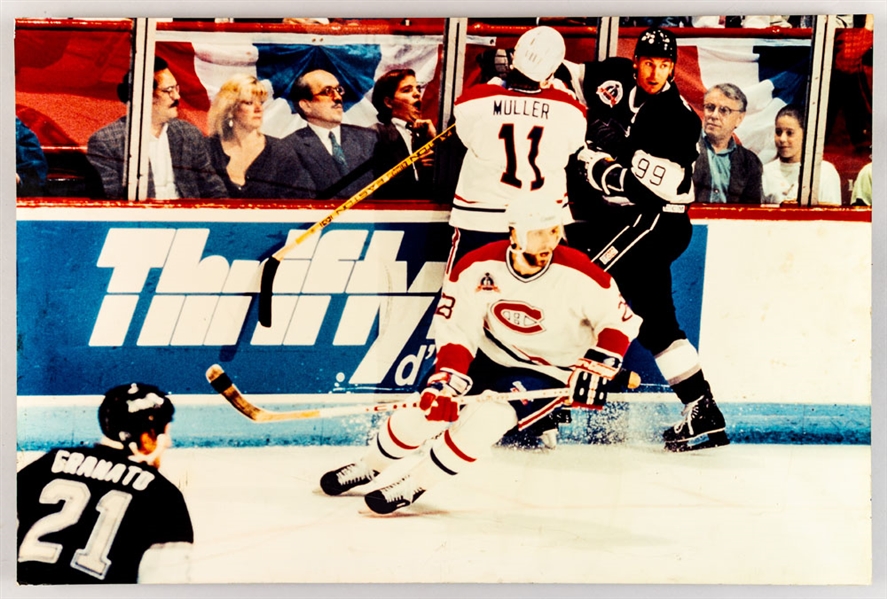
251, 164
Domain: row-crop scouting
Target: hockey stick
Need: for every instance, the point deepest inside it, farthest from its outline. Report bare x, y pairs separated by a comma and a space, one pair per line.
266, 291
223, 384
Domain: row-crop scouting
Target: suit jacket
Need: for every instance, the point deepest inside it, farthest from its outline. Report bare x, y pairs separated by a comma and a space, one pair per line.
359, 145
276, 172
746, 171
390, 150
193, 174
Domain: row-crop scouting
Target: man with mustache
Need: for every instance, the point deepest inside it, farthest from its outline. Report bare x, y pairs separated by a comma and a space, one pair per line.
338, 158
519, 134
520, 314
398, 100
179, 165
726, 173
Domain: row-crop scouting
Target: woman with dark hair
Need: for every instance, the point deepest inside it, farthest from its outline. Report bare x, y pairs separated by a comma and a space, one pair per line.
251, 164
397, 98
782, 176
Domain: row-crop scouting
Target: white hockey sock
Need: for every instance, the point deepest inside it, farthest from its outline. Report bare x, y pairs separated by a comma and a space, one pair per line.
400, 435
678, 362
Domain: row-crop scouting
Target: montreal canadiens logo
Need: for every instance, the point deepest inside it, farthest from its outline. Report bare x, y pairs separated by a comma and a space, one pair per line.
518, 316
610, 92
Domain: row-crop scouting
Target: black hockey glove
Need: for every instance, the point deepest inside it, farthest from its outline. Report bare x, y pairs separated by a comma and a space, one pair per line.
591, 374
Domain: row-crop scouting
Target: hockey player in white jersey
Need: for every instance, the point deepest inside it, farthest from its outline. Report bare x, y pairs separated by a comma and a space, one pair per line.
519, 134
515, 315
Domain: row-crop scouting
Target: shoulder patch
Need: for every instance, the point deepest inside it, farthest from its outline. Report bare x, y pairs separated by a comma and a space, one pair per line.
610, 92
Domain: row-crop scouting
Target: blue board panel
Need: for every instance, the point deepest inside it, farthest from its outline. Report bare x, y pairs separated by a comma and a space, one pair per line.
161, 301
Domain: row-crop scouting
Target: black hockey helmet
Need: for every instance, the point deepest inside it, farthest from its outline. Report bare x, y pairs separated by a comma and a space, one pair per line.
129, 410
657, 43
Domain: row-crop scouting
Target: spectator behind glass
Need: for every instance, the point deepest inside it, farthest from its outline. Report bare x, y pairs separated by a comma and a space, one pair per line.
725, 172
782, 176
338, 158
398, 100
179, 164
249, 163
747, 21
31, 167
862, 187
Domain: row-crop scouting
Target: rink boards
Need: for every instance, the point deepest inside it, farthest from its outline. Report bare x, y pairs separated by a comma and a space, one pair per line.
779, 308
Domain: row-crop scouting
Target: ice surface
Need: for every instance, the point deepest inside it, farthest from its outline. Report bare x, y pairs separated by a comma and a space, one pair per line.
741, 514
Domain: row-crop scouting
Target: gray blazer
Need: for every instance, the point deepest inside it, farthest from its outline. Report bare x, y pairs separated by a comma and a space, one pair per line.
192, 170
746, 172
358, 143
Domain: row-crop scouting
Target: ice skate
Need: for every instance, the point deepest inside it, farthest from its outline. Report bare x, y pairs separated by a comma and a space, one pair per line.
347, 477
699, 418
395, 496
549, 438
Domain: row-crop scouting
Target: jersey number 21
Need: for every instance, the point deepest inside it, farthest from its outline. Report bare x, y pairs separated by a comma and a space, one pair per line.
91, 559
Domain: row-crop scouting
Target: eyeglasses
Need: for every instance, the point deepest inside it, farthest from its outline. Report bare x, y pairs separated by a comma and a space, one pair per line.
721, 110
169, 90
329, 91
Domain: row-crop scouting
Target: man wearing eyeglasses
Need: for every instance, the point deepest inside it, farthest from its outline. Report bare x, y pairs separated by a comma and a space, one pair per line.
338, 157
726, 172
179, 165
631, 197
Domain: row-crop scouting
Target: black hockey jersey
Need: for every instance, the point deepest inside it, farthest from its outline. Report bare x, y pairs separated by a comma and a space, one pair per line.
654, 137
86, 515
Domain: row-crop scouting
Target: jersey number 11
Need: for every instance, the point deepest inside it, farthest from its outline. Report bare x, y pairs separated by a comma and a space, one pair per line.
509, 177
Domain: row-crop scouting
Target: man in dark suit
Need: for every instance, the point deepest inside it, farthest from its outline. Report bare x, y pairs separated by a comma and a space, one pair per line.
398, 100
725, 172
338, 158
179, 165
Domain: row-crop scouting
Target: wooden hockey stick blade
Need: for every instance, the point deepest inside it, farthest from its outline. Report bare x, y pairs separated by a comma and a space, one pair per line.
266, 289
223, 384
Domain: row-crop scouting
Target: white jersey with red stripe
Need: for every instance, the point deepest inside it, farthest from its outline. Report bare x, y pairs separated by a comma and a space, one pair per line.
518, 145
544, 322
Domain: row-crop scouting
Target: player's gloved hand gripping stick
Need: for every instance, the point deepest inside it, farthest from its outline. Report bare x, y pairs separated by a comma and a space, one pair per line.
266, 289
223, 384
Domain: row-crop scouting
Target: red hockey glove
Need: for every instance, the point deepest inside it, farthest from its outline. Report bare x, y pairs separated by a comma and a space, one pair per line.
587, 373
437, 400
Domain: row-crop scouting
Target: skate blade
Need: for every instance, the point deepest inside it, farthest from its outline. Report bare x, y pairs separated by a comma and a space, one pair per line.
715, 439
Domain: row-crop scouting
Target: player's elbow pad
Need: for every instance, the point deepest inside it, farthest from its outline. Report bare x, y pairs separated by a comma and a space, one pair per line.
166, 563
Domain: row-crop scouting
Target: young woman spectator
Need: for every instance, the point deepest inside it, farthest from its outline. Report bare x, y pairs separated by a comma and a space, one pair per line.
251, 164
782, 176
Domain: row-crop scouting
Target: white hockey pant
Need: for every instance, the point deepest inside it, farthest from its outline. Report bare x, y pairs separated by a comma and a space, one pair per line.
478, 428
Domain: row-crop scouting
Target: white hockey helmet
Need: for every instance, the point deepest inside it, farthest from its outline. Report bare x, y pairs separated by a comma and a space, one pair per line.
539, 52
533, 214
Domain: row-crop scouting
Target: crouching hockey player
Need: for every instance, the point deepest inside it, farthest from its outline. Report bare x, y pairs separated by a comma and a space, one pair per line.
514, 315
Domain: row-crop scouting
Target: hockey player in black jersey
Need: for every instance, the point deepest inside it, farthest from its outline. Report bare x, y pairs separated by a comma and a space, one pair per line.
630, 200
105, 514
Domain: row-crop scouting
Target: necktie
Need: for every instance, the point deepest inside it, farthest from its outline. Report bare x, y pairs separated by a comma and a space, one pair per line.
338, 154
